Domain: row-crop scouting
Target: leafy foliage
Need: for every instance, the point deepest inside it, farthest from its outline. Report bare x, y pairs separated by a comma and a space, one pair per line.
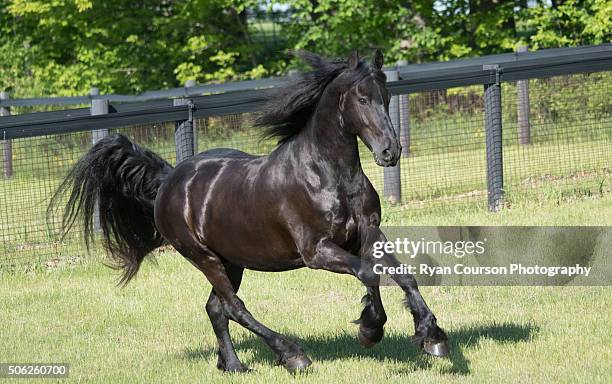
64, 47
425, 30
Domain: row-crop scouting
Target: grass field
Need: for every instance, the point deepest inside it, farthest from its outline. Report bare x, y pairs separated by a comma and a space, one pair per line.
156, 330
60, 305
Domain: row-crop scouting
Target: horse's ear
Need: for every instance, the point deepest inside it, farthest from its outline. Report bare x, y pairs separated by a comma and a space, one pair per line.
353, 60
378, 59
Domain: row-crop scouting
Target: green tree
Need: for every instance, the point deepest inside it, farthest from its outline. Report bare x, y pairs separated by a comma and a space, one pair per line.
66, 46
415, 31
428, 30
63, 47
569, 23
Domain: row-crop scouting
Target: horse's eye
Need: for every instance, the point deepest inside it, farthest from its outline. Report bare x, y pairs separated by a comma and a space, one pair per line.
363, 100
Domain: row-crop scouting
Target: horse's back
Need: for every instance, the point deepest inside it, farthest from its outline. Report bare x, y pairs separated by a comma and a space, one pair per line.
206, 164
225, 153
192, 185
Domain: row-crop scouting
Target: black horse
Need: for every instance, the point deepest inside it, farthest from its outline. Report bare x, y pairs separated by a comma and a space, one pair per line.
307, 204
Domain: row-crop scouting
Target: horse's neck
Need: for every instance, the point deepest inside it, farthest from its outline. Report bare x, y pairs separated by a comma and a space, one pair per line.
325, 141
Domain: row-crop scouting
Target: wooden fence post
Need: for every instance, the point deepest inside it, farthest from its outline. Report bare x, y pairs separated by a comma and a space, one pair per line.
493, 133
404, 117
7, 145
522, 100
184, 131
98, 107
391, 175
194, 125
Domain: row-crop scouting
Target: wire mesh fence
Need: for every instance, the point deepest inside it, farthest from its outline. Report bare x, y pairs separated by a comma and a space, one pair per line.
561, 145
565, 146
567, 150
445, 158
39, 166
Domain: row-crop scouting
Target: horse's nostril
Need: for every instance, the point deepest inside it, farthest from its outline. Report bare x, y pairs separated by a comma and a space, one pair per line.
386, 155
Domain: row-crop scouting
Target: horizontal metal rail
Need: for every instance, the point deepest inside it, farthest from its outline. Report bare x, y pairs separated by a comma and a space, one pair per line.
514, 66
122, 115
248, 96
198, 90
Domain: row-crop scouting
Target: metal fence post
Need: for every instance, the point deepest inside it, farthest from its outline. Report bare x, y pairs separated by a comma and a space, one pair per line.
98, 107
493, 132
7, 145
392, 177
404, 111
522, 99
184, 137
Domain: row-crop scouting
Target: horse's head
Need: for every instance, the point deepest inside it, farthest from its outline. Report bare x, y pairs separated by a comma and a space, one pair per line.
365, 109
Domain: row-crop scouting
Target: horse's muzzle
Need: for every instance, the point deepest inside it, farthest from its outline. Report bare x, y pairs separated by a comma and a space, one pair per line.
388, 157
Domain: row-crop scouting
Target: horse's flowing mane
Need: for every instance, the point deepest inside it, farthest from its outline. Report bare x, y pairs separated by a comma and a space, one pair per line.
290, 106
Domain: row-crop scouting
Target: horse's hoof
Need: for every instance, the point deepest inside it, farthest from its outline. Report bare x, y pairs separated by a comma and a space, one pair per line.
365, 341
231, 368
237, 369
297, 363
436, 348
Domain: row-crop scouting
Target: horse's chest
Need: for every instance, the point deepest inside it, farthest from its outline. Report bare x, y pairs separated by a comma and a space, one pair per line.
342, 219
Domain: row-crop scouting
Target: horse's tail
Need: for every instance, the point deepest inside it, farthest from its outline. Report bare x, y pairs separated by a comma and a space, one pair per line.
122, 179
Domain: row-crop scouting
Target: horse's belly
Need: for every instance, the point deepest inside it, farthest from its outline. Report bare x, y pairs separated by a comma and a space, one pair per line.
261, 249
246, 232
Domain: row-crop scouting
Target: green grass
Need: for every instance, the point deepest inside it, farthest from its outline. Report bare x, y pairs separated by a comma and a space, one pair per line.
58, 305
554, 209
156, 330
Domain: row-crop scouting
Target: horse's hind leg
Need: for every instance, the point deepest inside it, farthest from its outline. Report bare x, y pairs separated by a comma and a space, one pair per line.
288, 353
227, 358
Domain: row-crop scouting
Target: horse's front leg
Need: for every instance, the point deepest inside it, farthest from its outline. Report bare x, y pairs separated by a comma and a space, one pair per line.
428, 336
329, 256
372, 319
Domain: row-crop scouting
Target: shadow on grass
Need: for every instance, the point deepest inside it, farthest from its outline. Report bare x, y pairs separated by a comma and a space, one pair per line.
395, 348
